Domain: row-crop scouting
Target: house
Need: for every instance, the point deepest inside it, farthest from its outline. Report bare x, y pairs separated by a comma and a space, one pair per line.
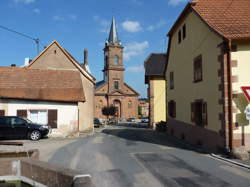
113, 90
155, 78
54, 88
208, 63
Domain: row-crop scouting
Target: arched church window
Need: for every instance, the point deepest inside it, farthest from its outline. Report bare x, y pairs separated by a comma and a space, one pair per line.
116, 60
130, 104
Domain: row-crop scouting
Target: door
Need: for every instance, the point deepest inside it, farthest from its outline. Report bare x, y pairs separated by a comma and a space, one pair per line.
6, 129
20, 127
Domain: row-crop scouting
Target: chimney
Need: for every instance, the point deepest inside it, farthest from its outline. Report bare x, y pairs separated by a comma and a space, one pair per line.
85, 57
13, 65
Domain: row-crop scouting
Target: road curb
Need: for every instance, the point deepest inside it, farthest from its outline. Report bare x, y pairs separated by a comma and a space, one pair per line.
230, 161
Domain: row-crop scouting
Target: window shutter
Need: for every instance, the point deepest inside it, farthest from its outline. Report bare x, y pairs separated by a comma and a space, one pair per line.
52, 118
192, 112
2, 112
174, 109
21, 113
204, 114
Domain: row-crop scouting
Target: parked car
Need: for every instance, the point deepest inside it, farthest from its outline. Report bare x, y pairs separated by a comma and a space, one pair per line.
97, 123
131, 120
144, 120
16, 127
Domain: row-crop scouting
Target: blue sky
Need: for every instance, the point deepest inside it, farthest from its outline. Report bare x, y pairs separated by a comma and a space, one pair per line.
79, 24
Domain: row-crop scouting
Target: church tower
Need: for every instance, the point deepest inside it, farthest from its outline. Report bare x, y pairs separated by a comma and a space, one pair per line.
113, 60
113, 90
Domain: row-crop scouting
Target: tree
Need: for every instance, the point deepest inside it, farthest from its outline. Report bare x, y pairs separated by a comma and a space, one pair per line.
109, 111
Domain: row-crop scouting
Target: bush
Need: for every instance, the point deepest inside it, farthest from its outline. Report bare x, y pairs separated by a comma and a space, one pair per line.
161, 126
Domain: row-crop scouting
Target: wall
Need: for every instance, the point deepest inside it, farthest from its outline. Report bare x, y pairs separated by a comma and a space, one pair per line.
67, 113
86, 109
200, 40
240, 73
159, 100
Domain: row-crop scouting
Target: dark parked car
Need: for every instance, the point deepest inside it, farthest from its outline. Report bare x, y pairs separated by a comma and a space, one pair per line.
97, 123
144, 120
16, 127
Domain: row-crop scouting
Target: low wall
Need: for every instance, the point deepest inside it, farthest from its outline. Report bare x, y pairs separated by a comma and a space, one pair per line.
44, 173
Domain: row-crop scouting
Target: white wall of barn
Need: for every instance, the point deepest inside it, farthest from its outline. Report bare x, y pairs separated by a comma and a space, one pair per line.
67, 113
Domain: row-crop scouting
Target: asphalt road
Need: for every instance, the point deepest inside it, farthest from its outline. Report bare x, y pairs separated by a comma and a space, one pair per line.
138, 157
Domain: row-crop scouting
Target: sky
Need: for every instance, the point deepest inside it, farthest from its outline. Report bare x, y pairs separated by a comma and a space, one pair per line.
78, 24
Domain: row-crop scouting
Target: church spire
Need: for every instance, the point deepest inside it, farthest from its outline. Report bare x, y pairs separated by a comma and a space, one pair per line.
113, 35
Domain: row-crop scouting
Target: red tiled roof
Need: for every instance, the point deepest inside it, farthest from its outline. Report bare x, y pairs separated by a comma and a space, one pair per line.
230, 18
34, 84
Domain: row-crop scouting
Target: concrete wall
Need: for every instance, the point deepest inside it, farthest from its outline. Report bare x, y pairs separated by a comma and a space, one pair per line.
67, 113
240, 72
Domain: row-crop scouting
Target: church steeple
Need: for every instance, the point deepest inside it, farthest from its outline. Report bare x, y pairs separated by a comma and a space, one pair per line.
113, 34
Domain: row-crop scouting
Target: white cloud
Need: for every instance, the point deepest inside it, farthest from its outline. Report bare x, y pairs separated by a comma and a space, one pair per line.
72, 17
137, 2
103, 24
131, 26
176, 2
36, 11
25, 1
158, 25
134, 49
58, 18
135, 69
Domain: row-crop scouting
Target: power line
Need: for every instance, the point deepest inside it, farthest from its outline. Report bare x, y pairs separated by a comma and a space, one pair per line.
36, 40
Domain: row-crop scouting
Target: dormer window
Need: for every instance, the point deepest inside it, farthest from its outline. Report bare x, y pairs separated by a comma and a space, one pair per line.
116, 60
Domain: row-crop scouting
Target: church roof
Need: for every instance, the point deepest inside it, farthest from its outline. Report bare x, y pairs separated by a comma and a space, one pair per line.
113, 34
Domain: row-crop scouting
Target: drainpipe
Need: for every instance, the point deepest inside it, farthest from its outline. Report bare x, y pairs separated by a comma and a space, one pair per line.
230, 97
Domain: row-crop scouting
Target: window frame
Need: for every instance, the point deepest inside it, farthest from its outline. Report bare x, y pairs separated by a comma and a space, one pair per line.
116, 85
172, 109
198, 69
116, 60
171, 82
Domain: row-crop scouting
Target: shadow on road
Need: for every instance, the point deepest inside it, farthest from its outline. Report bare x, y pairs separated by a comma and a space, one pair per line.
150, 136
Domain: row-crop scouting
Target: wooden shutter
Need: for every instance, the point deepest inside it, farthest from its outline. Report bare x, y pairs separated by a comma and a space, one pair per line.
52, 118
204, 114
21, 113
2, 112
174, 109
192, 112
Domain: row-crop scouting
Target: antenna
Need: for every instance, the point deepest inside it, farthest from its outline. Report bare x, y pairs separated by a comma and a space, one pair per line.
36, 40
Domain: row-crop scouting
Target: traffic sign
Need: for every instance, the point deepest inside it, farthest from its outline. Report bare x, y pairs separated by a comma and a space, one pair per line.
246, 90
247, 113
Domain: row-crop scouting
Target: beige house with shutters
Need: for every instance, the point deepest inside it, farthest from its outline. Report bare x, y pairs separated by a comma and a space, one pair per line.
208, 63
52, 89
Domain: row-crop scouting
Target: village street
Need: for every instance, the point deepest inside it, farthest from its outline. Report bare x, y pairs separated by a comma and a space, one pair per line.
129, 156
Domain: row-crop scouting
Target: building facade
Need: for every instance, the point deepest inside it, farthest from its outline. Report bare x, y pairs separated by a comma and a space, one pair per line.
113, 90
155, 79
143, 109
53, 89
205, 101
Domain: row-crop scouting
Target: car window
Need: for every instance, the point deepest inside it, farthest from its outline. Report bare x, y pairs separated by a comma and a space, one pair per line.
17, 122
4, 121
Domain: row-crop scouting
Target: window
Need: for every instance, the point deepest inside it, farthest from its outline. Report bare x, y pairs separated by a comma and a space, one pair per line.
116, 60
106, 61
198, 69
130, 104
171, 80
172, 108
38, 116
17, 122
199, 113
22, 113
179, 37
2, 112
184, 32
116, 84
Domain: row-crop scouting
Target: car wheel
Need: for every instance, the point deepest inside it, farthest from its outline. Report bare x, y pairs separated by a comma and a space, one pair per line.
35, 135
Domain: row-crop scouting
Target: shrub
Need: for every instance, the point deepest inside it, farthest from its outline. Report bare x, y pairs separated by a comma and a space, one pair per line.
161, 126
